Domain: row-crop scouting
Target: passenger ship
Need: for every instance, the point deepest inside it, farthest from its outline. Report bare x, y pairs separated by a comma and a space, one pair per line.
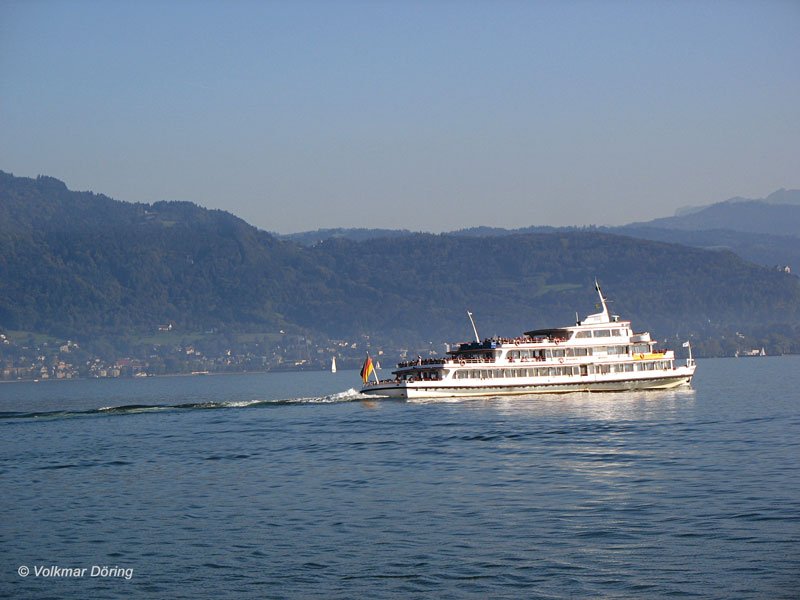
599, 354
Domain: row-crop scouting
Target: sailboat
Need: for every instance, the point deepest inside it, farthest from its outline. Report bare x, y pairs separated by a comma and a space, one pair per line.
333, 365
753, 352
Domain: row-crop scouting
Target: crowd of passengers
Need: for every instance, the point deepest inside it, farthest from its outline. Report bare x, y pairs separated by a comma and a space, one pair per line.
529, 340
422, 361
480, 358
524, 339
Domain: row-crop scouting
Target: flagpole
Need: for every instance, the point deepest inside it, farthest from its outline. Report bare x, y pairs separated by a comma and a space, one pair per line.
690, 361
372, 368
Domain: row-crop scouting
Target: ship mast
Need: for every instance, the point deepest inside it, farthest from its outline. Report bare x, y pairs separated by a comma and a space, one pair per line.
602, 300
474, 329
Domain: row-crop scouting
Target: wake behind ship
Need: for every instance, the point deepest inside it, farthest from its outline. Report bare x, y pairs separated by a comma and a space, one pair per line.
599, 354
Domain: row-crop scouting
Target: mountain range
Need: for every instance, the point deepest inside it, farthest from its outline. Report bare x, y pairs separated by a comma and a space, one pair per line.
777, 214
764, 231
83, 265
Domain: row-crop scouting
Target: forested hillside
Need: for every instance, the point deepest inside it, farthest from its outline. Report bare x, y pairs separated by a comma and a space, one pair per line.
425, 282
81, 265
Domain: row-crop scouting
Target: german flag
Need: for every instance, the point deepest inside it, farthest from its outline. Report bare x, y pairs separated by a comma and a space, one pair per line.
367, 370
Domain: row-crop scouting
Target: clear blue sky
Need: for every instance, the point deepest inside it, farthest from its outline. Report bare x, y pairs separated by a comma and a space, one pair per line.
432, 115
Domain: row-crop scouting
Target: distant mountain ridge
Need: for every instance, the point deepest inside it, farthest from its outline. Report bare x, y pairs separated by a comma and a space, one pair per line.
781, 196
777, 214
765, 231
357, 234
749, 216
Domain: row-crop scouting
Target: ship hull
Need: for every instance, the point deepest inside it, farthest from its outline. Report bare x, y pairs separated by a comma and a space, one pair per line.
444, 389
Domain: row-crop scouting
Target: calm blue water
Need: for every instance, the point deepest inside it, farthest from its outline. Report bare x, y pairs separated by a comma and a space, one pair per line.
289, 486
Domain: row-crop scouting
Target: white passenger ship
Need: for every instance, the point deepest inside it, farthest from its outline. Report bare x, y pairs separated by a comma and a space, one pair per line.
600, 353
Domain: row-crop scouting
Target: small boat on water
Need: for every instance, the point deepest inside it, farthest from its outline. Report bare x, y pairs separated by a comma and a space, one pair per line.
600, 353
751, 353
333, 365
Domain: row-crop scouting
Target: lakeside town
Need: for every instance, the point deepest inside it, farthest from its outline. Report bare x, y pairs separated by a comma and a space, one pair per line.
24, 357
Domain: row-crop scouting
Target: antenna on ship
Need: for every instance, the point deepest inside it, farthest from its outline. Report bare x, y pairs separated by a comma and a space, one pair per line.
474, 329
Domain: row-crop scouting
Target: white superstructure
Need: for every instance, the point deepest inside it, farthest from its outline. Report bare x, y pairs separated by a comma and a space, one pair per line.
600, 353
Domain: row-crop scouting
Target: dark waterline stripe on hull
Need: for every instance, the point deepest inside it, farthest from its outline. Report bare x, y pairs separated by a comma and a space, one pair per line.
542, 388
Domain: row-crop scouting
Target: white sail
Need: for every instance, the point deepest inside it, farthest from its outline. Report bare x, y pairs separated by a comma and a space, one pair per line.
333, 365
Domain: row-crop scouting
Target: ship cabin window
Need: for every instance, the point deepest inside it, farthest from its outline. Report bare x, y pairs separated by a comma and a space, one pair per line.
579, 351
617, 350
525, 354
583, 334
616, 332
645, 366
641, 348
514, 372
556, 353
598, 333
552, 371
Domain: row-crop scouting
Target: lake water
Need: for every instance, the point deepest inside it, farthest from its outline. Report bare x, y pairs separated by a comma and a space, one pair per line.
290, 485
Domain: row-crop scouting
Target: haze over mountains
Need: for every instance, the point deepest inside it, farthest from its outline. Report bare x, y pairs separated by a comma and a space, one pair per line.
777, 214
84, 265
765, 231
